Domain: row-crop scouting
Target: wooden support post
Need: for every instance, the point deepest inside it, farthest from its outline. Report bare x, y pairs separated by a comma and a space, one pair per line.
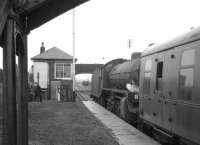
23, 96
9, 85
38, 78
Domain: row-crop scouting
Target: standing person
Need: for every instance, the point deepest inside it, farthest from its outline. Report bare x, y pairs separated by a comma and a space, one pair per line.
38, 92
31, 93
58, 94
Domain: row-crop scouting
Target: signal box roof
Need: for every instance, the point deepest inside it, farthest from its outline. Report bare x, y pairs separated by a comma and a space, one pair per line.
189, 37
52, 54
39, 12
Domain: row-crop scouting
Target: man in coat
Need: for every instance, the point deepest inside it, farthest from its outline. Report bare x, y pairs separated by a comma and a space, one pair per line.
38, 92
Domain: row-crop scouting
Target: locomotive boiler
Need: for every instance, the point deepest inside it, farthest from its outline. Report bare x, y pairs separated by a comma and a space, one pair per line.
124, 73
112, 83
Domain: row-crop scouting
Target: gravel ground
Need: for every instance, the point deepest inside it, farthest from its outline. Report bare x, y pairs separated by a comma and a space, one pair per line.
1, 88
69, 123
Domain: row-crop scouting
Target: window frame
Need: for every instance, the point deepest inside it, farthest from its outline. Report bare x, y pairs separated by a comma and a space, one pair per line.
63, 69
185, 67
159, 75
147, 71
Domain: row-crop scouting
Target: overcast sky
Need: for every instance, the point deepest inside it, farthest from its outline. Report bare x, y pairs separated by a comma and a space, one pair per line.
103, 28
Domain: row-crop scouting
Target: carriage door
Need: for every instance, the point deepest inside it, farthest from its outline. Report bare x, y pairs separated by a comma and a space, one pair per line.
169, 87
157, 101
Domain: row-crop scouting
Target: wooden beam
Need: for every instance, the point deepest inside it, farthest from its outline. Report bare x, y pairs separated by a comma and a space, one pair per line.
22, 100
9, 85
3, 14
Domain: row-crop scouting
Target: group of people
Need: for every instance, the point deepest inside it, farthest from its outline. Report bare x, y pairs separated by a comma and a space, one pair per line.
35, 93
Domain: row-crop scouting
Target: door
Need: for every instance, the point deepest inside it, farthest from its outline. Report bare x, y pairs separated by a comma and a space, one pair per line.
53, 89
146, 89
157, 97
170, 84
185, 110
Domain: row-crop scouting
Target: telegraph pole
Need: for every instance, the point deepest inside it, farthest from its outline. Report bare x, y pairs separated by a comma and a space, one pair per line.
129, 43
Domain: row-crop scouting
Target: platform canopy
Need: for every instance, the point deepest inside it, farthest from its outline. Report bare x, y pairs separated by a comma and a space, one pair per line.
36, 12
39, 12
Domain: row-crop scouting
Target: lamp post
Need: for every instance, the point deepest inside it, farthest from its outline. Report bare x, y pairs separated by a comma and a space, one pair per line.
74, 59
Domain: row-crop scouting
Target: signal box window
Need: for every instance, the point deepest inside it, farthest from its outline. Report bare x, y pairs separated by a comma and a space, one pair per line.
159, 75
62, 71
186, 76
67, 70
147, 77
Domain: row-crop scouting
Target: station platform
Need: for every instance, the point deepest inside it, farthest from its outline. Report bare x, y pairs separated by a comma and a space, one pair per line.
1, 127
80, 123
124, 133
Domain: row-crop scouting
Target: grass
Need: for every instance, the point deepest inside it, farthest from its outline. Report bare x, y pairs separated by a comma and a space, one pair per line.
1, 95
52, 123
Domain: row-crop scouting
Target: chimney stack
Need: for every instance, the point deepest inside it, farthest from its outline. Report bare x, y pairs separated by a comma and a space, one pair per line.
42, 48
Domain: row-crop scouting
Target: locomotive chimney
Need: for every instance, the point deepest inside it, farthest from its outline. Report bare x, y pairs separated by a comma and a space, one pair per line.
151, 44
135, 55
42, 48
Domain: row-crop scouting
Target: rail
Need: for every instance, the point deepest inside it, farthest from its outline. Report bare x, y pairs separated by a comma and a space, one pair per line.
83, 95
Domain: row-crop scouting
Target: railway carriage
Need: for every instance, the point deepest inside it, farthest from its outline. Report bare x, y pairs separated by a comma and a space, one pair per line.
170, 87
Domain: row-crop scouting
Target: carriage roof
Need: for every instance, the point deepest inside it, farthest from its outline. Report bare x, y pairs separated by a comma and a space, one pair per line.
188, 37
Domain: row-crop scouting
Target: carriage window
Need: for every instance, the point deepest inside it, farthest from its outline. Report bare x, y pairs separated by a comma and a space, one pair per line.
147, 77
146, 83
148, 65
186, 83
159, 75
186, 76
188, 57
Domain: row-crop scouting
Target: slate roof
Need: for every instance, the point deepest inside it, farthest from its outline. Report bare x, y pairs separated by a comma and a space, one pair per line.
53, 54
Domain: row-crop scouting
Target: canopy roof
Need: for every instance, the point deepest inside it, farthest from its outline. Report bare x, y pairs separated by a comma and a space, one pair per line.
39, 12
36, 12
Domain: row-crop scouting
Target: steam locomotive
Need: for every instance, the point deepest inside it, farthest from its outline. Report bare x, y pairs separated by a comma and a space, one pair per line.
158, 88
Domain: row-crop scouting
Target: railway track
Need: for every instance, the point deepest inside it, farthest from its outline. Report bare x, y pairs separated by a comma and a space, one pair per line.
83, 95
